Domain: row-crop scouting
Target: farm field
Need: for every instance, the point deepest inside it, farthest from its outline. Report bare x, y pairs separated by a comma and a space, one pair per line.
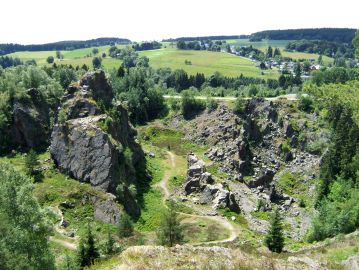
205, 62
202, 61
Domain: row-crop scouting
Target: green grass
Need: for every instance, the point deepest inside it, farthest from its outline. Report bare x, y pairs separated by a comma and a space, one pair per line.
197, 230
206, 62
75, 58
151, 214
261, 215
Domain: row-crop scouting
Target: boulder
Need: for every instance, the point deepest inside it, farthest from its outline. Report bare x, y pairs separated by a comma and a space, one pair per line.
264, 179
107, 211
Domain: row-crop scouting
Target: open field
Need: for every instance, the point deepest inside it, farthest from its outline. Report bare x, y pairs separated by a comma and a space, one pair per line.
206, 62
202, 61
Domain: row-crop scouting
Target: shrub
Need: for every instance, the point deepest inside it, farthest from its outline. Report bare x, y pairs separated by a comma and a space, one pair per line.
305, 104
190, 106
211, 104
239, 106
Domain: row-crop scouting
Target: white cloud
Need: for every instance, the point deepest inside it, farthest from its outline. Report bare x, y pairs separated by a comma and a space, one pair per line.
40, 21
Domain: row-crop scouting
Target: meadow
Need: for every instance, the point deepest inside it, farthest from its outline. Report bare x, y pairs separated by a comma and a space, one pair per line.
205, 62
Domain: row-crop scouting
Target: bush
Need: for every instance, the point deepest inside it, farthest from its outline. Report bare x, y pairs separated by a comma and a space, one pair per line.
190, 106
239, 106
211, 104
305, 104
50, 59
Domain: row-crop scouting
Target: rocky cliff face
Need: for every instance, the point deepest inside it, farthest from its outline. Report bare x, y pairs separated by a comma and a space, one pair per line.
254, 152
93, 141
30, 127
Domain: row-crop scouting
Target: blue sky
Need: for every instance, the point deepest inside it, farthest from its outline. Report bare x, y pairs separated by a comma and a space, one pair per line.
39, 21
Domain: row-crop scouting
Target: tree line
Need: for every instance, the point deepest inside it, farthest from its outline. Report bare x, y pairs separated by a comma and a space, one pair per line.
330, 49
61, 45
343, 35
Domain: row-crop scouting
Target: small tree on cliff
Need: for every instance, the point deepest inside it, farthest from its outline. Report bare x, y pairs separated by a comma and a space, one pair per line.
274, 239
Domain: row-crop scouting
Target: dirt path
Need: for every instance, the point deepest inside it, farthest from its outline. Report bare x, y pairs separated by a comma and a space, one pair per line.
290, 97
64, 243
58, 229
218, 219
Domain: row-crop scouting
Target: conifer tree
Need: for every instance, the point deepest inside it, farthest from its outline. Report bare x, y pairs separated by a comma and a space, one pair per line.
170, 231
274, 239
110, 244
87, 251
125, 227
31, 162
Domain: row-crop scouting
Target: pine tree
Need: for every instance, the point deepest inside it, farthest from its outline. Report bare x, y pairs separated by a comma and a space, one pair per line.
110, 244
274, 239
31, 162
92, 252
170, 231
125, 227
87, 251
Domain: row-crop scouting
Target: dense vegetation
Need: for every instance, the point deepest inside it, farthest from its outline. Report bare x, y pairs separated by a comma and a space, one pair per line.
6, 61
208, 45
154, 45
344, 35
203, 38
24, 226
323, 47
338, 193
61, 45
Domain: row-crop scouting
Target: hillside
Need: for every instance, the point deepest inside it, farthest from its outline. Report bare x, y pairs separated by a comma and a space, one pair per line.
344, 35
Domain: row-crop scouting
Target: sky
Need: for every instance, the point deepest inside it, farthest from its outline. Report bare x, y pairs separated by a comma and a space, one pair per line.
42, 21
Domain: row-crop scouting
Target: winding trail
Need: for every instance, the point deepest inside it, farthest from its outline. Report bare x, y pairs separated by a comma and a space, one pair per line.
62, 242
218, 219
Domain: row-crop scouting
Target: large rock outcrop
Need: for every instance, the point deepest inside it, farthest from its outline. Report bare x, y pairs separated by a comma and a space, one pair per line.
31, 122
200, 181
94, 146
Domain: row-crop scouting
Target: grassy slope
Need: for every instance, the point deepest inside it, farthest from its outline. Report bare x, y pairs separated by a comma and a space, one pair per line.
205, 62
202, 61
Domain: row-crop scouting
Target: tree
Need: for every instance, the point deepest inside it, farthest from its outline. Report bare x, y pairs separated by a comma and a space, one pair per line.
59, 55
96, 62
121, 72
31, 162
95, 51
190, 106
276, 52
110, 244
170, 231
87, 251
270, 52
125, 226
24, 226
239, 106
356, 43
274, 239
50, 59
